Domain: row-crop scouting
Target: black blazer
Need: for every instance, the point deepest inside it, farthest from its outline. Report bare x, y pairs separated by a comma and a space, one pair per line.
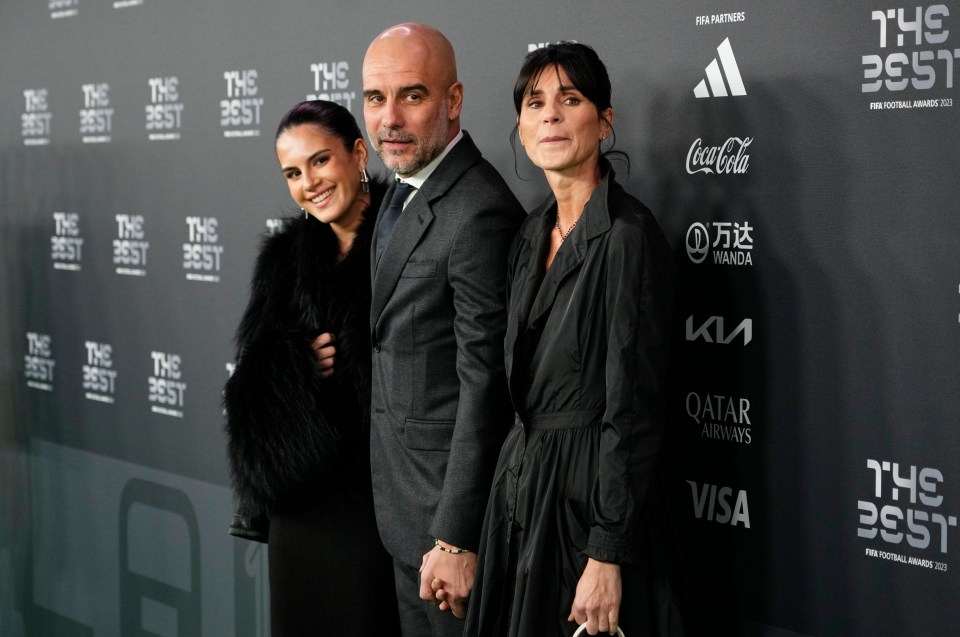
440, 407
590, 337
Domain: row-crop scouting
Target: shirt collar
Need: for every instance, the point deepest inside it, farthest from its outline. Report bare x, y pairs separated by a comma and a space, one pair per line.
420, 177
595, 218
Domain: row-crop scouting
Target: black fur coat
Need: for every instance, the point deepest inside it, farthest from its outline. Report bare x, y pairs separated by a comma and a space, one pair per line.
290, 432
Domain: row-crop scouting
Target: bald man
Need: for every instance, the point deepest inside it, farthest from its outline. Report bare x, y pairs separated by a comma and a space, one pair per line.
440, 408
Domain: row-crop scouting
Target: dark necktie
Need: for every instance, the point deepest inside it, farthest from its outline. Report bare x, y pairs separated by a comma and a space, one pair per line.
391, 214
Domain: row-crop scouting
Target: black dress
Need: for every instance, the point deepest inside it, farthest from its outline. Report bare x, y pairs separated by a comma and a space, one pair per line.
299, 444
586, 350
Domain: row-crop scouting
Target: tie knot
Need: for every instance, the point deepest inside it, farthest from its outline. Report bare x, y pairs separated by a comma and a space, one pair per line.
403, 190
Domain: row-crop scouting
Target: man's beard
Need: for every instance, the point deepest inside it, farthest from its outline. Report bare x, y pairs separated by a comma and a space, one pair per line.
425, 150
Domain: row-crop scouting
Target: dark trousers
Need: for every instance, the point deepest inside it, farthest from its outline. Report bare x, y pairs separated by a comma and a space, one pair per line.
419, 618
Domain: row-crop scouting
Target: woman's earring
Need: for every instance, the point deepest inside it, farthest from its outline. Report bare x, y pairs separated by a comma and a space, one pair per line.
305, 215
364, 180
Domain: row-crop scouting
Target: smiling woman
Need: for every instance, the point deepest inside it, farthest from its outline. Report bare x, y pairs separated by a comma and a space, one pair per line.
321, 173
297, 426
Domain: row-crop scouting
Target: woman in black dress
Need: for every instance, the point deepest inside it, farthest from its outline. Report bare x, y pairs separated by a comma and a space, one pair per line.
297, 430
575, 531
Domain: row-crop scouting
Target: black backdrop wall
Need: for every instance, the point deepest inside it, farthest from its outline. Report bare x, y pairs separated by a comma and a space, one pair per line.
802, 158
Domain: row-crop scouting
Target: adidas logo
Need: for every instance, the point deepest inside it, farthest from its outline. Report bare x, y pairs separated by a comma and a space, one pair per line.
715, 76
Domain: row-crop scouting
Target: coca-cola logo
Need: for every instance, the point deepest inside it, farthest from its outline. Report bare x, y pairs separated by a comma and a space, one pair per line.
730, 158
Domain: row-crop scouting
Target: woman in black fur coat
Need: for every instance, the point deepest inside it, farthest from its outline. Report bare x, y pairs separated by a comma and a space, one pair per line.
297, 430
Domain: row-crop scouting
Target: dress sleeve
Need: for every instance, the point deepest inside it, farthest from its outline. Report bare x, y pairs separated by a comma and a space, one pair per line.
277, 436
638, 298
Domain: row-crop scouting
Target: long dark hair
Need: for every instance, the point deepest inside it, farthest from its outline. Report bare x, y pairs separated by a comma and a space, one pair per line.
586, 71
328, 115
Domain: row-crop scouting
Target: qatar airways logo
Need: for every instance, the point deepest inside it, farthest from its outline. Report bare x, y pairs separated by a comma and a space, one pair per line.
66, 245
729, 158
36, 116
721, 417
38, 363
331, 82
240, 112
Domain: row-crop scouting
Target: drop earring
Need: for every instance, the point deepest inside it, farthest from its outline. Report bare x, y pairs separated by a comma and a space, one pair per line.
305, 215
364, 180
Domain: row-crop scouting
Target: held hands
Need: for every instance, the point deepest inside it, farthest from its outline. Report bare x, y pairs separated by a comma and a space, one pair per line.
597, 601
324, 349
447, 578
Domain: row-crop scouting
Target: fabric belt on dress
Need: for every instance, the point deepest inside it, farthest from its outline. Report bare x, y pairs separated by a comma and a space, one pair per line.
564, 420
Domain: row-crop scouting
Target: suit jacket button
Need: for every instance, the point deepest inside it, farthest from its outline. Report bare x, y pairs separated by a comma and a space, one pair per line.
376, 347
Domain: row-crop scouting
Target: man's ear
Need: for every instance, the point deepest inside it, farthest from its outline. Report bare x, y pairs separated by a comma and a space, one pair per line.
454, 100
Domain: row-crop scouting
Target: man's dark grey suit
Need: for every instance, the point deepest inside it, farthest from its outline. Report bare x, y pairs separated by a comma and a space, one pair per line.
440, 408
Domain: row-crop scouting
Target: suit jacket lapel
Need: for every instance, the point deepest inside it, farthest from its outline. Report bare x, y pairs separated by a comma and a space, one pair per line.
410, 227
414, 221
537, 233
524, 287
594, 221
568, 259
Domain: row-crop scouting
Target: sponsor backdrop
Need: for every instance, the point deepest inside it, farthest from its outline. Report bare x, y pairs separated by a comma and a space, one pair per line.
801, 157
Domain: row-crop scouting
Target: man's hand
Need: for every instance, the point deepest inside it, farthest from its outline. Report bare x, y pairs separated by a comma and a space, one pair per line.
447, 578
325, 351
597, 601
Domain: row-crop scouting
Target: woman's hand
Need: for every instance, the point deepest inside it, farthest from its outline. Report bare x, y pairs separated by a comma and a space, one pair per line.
597, 601
325, 351
446, 578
